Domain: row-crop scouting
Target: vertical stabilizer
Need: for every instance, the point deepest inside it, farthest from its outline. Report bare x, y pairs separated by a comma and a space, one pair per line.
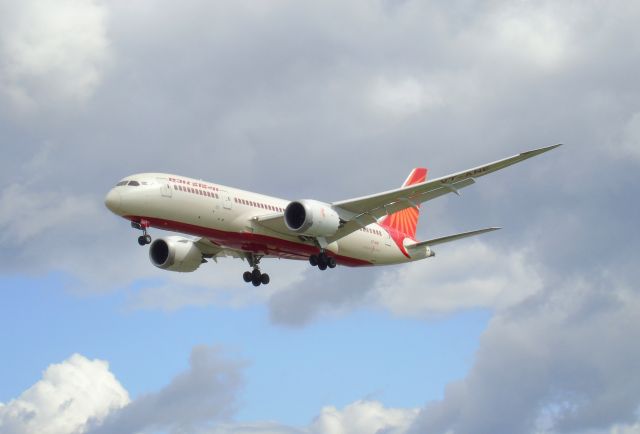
406, 221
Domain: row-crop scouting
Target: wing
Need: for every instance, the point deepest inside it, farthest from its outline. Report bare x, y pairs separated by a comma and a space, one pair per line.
365, 210
450, 238
214, 251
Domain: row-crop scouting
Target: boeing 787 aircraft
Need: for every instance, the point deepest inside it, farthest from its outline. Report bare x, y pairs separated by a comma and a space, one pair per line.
378, 229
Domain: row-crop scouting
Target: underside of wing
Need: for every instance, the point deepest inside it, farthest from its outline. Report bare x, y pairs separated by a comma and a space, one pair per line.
273, 222
212, 250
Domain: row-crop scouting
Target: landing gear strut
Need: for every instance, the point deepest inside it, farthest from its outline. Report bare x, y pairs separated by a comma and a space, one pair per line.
322, 261
145, 238
255, 277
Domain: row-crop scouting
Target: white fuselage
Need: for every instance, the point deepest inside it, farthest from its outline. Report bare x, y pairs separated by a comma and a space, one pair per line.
226, 216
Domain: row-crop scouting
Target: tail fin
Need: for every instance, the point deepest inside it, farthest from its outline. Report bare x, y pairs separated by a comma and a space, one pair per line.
406, 221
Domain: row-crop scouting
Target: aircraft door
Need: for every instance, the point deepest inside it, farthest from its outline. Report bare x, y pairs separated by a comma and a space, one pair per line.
165, 187
226, 200
387, 240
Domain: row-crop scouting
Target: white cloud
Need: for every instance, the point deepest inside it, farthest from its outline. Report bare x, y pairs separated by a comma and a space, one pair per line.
69, 395
52, 53
25, 214
403, 96
363, 417
626, 429
360, 417
466, 275
535, 34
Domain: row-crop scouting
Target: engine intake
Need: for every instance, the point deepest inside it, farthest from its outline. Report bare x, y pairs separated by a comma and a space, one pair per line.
313, 218
175, 254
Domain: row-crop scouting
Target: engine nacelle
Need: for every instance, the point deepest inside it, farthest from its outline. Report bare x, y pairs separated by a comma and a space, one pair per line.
310, 217
175, 254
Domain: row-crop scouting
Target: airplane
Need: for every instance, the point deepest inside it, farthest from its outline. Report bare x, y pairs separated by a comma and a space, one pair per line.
379, 229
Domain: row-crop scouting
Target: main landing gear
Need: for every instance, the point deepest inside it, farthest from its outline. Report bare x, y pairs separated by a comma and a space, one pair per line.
145, 238
255, 277
322, 261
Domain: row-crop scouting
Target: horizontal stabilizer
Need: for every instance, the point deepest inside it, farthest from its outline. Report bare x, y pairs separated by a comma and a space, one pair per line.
450, 238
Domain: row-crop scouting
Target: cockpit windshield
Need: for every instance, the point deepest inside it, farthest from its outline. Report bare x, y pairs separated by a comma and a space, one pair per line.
128, 182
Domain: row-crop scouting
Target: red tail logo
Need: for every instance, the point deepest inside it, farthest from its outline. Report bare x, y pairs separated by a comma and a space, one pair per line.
406, 221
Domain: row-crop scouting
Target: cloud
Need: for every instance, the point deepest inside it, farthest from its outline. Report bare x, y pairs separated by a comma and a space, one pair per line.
359, 417
466, 275
204, 393
68, 396
330, 292
560, 362
470, 274
52, 55
629, 144
81, 396
362, 417
319, 101
402, 97
26, 214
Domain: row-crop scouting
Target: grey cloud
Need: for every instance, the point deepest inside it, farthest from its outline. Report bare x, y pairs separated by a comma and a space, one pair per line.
204, 393
331, 292
52, 57
560, 361
286, 99
291, 90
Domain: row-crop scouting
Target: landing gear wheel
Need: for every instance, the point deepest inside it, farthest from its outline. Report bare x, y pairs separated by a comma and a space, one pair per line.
256, 282
264, 279
255, 274
322, 266
313, 260
141, 240
147, 239
331, 262
247, 276
322, 261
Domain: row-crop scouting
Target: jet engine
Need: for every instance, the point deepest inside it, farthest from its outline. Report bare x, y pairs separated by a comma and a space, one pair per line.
175, 254
313, 218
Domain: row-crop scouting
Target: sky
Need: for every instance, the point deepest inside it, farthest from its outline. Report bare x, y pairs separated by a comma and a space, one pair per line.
531, 329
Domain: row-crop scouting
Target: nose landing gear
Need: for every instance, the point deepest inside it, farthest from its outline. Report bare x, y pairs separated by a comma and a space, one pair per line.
145, 238
255, 277
322, 261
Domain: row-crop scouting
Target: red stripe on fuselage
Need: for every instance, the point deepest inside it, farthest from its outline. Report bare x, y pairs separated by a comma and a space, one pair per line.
249, 242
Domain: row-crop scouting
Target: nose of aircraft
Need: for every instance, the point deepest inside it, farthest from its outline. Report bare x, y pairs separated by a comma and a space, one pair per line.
113, 201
